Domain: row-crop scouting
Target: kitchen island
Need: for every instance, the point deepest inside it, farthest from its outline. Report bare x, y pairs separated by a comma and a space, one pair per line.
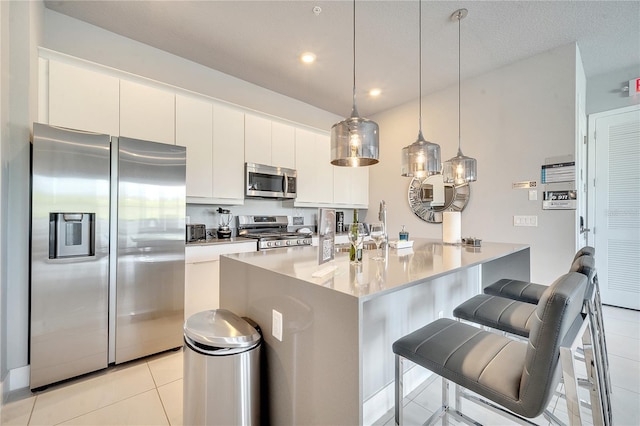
330, 361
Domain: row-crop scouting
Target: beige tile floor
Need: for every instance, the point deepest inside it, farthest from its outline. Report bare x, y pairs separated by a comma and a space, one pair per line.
149, 391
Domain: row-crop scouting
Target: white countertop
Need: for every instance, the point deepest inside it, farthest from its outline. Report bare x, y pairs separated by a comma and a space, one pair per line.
427, 259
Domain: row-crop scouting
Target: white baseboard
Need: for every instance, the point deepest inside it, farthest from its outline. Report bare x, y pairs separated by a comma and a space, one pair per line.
18, 378
383, 401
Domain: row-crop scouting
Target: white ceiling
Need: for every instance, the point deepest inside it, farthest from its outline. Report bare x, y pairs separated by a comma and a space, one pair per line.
260, 41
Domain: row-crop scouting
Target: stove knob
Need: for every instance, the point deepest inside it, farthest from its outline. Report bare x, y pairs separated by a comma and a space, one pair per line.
300, 242
288, 243
269, 244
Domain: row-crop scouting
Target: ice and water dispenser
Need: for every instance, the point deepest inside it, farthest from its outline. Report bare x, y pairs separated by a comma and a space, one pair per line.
71, 235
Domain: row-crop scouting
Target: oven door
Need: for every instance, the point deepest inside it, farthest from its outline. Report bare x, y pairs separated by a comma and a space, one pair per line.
268, 182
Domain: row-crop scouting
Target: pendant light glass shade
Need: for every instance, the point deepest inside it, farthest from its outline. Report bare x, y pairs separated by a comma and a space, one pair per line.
354, 140
422, 158
459, 169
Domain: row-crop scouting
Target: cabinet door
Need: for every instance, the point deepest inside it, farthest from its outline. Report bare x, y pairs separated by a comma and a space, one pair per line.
283, 145
201, 287
194, 129
315, 172
228, 153
146, 113
83, 99
342, 185
360, 186
257, 139
324, 168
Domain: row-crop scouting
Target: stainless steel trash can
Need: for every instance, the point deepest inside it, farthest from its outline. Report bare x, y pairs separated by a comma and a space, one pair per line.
221, 370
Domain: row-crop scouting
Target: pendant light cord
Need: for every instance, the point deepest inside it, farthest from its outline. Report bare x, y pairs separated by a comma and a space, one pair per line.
459, 79
420, 66
354, 110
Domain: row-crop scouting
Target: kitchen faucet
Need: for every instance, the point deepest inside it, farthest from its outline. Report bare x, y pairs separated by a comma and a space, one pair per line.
382, 217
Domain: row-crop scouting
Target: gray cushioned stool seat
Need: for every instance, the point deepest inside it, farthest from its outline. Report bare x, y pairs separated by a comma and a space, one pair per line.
525, 291
520, 376
503, 314
515, 316
522, 291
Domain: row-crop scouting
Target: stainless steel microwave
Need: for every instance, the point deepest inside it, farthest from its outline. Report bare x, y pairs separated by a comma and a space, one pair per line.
262, 181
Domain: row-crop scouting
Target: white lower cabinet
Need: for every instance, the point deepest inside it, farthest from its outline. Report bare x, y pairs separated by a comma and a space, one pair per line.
202, 274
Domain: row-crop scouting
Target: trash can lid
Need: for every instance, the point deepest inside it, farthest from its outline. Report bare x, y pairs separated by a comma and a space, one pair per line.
221, 328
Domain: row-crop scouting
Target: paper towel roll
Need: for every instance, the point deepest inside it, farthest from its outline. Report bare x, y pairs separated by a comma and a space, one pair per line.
451, 228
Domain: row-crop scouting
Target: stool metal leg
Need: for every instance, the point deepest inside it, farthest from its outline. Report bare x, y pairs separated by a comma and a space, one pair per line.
399, 391
570, 379
596, 390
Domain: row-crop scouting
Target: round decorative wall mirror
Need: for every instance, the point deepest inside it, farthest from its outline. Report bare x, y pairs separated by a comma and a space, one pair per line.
429, 197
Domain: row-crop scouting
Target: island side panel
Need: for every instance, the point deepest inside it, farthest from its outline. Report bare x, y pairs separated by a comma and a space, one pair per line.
394, 315
312, 375
516, 266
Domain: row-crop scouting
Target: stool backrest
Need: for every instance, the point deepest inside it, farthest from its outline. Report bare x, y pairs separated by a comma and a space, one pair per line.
586, 265
585, 251
555, 313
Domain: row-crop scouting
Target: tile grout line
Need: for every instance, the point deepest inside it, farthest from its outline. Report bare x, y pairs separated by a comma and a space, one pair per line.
164, 409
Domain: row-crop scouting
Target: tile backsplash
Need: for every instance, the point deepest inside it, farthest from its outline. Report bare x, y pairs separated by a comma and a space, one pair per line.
208, 215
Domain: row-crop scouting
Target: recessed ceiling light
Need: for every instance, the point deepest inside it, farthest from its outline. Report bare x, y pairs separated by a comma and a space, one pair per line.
375, 92
308, 58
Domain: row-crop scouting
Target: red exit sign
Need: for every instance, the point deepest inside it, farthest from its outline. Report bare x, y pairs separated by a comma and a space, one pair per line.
634, 86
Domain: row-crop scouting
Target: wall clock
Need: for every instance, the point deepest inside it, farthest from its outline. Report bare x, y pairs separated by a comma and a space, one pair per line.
429, 197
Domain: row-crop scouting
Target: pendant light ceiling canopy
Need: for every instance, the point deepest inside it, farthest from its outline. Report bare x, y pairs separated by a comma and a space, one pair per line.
354, 140
459, 169
421, 158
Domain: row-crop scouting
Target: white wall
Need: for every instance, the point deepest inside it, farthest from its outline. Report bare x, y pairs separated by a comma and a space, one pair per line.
604, 91
512, 119
19, 105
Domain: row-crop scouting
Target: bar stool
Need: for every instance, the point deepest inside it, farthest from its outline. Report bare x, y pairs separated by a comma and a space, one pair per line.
516, 317
525, 291
518, 377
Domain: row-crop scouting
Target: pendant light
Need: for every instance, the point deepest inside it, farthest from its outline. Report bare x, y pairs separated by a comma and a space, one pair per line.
421, 158
459, 169
354, 140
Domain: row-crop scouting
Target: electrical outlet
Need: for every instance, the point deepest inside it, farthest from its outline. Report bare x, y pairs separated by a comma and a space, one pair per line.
533, 195
276, 324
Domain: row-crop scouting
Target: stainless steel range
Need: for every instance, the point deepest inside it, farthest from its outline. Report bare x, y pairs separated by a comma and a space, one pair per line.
271, 232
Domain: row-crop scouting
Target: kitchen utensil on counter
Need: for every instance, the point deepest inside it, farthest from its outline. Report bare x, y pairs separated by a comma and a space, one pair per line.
224, 230
339, 222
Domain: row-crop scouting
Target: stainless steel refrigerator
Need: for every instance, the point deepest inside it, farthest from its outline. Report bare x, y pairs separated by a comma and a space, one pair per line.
107, 251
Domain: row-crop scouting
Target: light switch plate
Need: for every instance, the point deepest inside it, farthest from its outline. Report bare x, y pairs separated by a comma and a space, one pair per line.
533, 195
525, 221
276, 324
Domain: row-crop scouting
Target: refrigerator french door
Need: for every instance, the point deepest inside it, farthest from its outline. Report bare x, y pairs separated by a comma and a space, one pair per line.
107, 251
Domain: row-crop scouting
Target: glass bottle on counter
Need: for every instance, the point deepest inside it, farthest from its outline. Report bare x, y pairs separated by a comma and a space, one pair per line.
355, 255
403, 235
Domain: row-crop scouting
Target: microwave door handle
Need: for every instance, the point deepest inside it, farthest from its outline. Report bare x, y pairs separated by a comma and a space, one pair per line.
285, 184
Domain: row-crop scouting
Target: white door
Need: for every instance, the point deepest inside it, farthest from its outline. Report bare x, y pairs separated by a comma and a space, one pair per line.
614, 203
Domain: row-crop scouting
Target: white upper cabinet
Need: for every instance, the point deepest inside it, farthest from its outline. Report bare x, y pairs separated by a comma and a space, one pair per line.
283, 140
194, 130
228, 154
351, 186
257, 139
146, 112
83, 99
269, 142
315, 172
